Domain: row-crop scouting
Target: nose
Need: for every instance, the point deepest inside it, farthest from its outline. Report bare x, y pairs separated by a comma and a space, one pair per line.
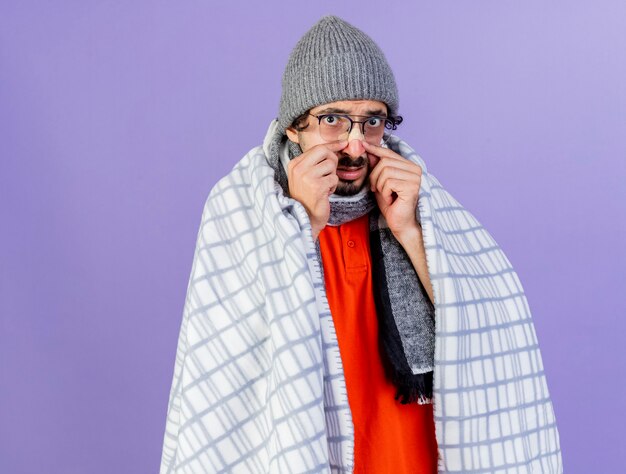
354, 149
355, 146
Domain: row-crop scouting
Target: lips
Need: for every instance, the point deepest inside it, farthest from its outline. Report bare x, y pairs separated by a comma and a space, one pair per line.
350, 174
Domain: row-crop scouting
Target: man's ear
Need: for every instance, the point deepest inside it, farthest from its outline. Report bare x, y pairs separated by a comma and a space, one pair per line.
292, 135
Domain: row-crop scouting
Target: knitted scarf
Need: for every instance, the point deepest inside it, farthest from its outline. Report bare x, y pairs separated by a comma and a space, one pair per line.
405, 313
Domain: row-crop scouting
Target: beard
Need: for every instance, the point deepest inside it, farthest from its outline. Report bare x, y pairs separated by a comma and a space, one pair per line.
349, 187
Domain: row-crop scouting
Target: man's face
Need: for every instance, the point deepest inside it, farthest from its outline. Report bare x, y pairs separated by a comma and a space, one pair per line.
354, 164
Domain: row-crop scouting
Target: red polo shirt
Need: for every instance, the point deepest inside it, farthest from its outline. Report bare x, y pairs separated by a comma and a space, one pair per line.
388, 436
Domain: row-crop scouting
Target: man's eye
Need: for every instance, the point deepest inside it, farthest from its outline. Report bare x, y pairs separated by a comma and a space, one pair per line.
330, 120
374, 122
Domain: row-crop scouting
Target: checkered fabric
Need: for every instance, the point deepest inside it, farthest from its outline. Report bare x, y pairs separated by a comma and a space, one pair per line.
258, 384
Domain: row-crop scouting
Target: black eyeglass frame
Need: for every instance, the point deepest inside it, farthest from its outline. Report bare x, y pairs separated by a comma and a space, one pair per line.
391, 123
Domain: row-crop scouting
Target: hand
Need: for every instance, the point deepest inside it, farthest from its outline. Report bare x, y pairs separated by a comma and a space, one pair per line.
312, 178
395, 182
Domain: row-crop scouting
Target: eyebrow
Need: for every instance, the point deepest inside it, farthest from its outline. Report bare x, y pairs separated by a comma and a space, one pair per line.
336, 110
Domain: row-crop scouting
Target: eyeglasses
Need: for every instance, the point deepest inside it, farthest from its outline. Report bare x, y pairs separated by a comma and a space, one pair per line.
338, 127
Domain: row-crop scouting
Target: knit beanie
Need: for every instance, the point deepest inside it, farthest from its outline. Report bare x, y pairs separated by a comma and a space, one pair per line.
334, 61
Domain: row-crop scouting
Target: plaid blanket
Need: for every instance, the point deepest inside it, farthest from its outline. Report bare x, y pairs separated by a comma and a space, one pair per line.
258, 385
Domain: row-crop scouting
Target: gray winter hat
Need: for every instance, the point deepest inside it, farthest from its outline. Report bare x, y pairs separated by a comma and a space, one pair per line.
334, 61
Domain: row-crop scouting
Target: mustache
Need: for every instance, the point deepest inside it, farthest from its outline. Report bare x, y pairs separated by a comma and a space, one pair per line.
347, 162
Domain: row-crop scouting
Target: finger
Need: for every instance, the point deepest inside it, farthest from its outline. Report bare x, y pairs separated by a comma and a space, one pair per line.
387, 191
380, 151
407, 190
323, 151
404, 191
323, 168
319, 153
383, 152
333, 181
380, 173
402, 163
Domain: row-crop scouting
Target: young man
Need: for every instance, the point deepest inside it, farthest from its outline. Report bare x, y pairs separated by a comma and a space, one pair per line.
344, 312
388, 436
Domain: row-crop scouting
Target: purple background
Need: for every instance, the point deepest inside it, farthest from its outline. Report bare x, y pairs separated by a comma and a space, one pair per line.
116, 119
